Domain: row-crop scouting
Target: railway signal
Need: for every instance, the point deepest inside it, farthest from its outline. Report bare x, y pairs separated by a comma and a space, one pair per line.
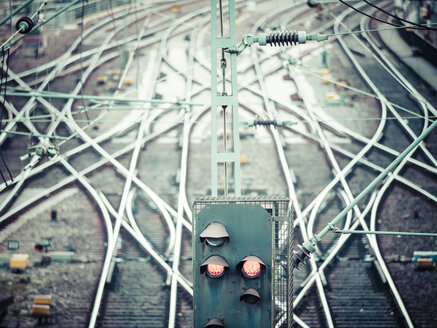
232, 266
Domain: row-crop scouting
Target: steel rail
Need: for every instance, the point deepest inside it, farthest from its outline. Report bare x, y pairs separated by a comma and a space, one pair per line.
338, 247
114, 44
103, 137
97, 98
378, 199
84, 77
185, 223
119, 217
392, 68
138, 182
97, 198
339, 127
297, 110
111, 243
59, 65
86, 171
109, 134
328, 149
390, 106
182, 197
160, 25
144, 43
342, 129
364, 161
285, 167
182, 200
105, 215
41, 100
84, 136
325, 144
53, 125
375, 247
99, 63
294, 109
246, 85
127, 187
309, 100
185, 283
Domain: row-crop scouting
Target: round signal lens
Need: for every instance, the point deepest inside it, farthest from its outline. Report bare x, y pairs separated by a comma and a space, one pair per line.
215, 270
251, 269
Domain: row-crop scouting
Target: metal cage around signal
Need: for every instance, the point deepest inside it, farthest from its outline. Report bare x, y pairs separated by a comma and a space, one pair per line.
241, 262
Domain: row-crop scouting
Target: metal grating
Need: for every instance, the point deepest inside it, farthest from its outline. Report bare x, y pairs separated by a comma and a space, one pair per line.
282, 214
283, 270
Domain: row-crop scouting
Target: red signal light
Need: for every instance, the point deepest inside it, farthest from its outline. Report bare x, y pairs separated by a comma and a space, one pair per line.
251, 269
215, 270
215, 266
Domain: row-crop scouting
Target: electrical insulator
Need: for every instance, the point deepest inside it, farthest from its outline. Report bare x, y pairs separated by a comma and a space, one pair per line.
24, 25
312, 3
265, 122
286, 38
300, 256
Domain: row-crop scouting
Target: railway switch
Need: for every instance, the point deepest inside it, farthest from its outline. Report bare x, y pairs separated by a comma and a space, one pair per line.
232, 266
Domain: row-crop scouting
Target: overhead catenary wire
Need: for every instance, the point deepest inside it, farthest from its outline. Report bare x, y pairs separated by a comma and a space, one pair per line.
376, 30
102, 107
28, 93
365, 14
399, 18
365, 93
180, 121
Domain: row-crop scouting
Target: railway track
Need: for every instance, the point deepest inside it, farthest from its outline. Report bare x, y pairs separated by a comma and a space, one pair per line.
147, 215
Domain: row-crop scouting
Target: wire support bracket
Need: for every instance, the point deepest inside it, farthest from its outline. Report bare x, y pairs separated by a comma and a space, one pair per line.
336, 230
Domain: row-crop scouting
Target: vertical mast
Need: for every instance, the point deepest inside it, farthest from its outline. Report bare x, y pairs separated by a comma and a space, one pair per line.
224, 99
